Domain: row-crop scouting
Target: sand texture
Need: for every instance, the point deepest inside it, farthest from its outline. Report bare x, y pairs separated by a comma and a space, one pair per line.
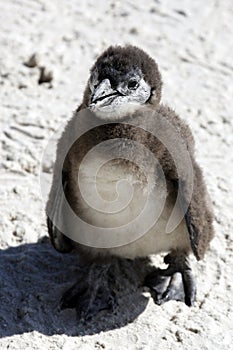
192, 43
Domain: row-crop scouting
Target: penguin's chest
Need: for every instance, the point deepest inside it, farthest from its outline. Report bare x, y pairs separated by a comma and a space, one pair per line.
113, 194
117, 196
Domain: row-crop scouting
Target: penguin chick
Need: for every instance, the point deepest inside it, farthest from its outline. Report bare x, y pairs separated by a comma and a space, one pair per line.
122, 101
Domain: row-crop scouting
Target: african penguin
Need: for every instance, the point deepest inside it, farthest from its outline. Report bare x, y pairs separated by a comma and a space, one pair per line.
122, 110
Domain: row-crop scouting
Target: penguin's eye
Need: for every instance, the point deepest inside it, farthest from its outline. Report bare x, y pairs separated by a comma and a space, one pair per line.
132, 84
93, 85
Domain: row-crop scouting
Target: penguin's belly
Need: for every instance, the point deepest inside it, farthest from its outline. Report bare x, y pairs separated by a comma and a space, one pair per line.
118, 197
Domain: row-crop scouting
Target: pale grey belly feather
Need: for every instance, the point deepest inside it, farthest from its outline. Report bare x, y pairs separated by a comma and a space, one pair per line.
155, 240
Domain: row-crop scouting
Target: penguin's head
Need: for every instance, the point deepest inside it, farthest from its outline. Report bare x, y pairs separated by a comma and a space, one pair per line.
121, 80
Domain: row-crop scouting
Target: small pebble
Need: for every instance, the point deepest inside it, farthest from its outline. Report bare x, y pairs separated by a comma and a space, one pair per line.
134, 31
181, 12
33, 61
22, 86
46, 76
19, 232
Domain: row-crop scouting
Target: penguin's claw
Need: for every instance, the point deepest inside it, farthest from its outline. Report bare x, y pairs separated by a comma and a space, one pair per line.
174, 283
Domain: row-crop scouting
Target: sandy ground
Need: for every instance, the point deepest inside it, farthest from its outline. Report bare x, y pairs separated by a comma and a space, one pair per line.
192, 43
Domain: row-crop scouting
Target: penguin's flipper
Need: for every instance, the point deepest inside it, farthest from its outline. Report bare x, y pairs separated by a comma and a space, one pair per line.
60, 242
198, 213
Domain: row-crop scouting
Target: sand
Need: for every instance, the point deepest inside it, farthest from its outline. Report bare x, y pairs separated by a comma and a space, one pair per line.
192, 43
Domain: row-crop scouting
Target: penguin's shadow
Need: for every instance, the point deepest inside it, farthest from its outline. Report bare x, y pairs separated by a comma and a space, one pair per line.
33, 278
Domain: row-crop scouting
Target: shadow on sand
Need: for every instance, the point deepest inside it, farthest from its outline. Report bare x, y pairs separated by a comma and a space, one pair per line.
33, 278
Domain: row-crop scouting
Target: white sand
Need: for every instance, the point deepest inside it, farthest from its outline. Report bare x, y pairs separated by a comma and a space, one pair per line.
194, 51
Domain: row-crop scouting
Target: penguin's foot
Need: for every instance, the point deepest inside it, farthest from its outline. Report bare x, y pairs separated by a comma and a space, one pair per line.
91, 294
174, 283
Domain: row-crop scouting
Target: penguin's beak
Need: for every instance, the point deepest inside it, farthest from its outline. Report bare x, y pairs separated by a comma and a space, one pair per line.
103, 92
